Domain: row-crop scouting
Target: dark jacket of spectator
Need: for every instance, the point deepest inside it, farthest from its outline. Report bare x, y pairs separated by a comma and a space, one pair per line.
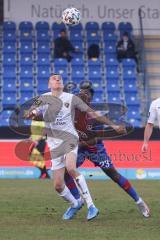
93, 51
126, 48
63, 47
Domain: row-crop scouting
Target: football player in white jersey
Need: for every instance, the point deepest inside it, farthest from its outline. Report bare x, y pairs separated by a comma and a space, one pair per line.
63, 125
154, 116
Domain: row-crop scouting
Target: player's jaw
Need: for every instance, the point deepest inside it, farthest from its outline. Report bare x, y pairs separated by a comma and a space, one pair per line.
86, 95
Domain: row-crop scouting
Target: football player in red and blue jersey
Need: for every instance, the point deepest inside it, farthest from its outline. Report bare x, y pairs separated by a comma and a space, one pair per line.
94, 150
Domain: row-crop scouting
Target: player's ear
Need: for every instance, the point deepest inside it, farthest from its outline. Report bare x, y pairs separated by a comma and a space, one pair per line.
49, 84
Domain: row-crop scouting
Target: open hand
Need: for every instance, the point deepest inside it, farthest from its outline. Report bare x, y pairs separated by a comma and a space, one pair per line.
29, 115
144, 147
119, 129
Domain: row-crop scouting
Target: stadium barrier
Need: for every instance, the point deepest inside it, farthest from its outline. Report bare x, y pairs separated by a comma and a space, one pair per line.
126, 156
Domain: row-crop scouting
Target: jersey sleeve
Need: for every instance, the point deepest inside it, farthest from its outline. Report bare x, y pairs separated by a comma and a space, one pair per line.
152, 114
41, 110
79, 104
39, 107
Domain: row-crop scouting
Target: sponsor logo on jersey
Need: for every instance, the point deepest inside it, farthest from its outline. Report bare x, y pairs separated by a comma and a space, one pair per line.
72, 146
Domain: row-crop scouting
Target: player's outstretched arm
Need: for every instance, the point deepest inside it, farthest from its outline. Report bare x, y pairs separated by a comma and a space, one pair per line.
82, 106
147, 134
105, 120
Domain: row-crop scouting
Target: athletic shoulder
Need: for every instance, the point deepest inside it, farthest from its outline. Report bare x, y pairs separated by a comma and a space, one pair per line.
155, 102
46, 94
68, 94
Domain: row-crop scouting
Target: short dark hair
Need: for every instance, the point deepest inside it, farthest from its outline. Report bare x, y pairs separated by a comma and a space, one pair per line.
63, 30
91, 90
88, 89
125, 34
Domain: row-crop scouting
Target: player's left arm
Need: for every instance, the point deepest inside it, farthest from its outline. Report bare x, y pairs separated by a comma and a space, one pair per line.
83, 107
105, 120
87, 143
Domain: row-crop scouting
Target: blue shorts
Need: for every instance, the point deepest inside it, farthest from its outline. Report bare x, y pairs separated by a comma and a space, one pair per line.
99, 157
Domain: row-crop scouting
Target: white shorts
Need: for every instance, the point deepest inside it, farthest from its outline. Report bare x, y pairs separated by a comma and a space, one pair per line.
60, 162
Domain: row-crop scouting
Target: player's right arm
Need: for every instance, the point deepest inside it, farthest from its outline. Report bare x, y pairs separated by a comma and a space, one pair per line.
147, 134
35, 110
33, 115
149, 126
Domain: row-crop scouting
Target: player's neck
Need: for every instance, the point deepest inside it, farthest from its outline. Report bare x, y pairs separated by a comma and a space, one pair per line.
56, 92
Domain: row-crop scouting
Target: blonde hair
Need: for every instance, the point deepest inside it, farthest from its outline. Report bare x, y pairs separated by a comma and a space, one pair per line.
54, 74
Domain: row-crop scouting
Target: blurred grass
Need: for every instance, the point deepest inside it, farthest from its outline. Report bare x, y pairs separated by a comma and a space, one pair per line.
31, 210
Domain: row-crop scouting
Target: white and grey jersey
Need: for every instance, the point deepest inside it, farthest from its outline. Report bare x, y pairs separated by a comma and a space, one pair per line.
64, 120
154, 112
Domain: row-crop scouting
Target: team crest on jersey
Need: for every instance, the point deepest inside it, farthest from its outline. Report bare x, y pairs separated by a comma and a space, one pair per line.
66, 105
37, 102
72, 146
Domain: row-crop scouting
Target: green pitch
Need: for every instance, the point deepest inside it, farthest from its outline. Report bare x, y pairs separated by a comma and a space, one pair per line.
30, 210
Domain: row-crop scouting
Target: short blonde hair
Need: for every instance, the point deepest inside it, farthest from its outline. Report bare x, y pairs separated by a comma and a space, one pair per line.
54, 74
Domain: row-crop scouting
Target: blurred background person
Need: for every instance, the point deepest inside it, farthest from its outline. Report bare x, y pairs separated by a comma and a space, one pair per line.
93, 51
38, 148
63, 47
126, 48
